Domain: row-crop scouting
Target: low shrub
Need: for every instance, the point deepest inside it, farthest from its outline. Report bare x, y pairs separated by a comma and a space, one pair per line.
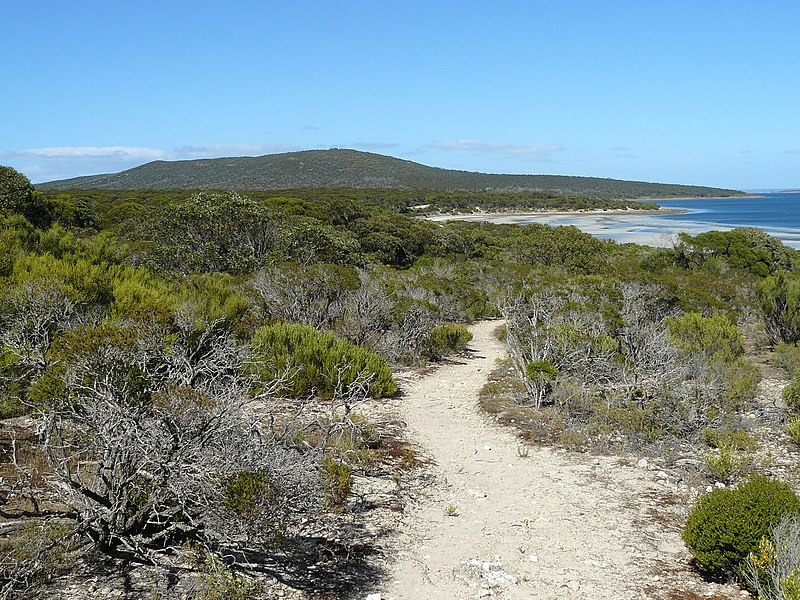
791, 395
338, 479
323, 362
449, 338
793, 430
248, 492
737, 439
11, 407
787, 357
729, 464
35, 551
727, 525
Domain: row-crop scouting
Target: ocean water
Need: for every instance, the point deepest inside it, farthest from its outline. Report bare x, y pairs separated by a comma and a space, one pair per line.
776, 213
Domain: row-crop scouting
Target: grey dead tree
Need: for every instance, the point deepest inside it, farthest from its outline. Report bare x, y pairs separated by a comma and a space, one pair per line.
529, 341
367, 312
409, 339
149, 443
650, 362
313, 295
34, 315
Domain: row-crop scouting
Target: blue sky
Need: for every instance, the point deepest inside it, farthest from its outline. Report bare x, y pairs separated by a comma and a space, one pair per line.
702, 92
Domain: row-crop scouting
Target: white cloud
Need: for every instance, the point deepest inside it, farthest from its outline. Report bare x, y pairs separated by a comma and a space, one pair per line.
529, 151
122, 152
64, 162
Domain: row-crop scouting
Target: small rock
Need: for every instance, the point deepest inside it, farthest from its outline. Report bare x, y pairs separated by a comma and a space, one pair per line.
373, 597
533, 558
642, 464
719, 485
474, 572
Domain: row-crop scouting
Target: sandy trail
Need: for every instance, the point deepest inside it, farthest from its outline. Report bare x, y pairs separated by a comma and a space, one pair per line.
549, 525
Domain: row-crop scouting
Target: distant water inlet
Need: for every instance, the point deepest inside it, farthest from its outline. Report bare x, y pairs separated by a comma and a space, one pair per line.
778, 214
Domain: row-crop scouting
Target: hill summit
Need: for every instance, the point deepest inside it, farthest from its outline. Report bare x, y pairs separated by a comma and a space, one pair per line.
339, 168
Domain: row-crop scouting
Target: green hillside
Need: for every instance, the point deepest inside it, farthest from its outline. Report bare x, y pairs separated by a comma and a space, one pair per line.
353, 169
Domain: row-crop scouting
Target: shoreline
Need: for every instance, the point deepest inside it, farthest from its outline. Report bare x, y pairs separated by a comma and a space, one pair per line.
494, 217
643, 227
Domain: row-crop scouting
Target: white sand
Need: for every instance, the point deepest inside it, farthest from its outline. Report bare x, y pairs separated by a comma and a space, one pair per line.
640, 227
636, 227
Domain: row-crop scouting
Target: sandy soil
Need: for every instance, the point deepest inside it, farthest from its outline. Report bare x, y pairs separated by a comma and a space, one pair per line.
498, 523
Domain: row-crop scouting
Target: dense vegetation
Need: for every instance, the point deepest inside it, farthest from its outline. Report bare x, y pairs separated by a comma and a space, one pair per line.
353, 169
192, 361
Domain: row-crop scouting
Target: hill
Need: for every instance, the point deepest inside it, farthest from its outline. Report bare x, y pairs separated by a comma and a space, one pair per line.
355, 169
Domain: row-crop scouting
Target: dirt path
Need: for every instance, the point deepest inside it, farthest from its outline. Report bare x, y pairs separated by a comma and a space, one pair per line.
546, 525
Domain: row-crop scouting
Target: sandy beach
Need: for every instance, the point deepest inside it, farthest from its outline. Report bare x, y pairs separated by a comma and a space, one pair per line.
646, 227
623, 226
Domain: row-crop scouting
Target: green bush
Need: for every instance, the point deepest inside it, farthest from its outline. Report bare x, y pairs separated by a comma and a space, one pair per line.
449, 338
248, 492
715, 337
727, 524
737, 439
787, 357
728, 464
322, 361
793, 430
338, 479
791, 395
